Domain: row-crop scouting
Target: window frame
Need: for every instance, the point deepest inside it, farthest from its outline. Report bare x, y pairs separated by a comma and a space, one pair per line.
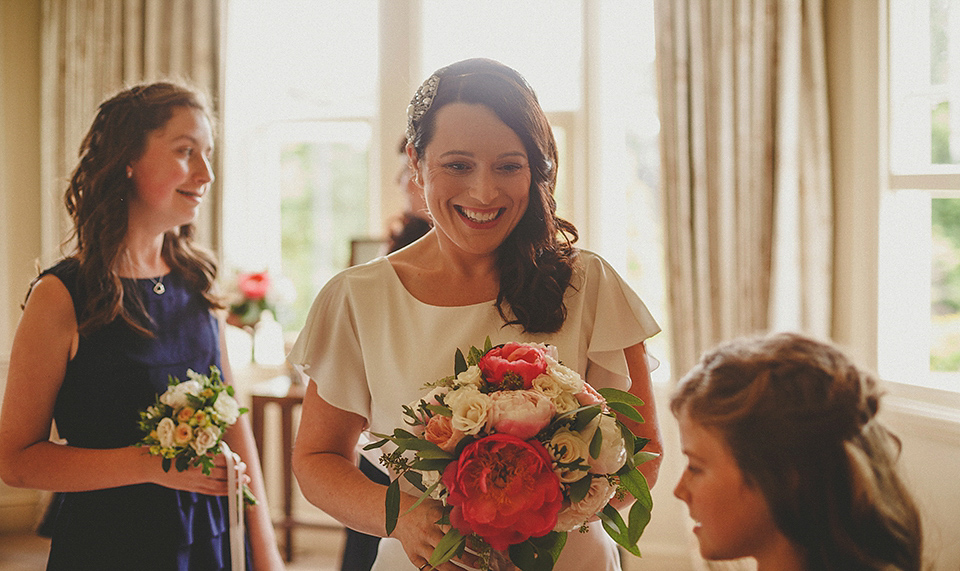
904, 228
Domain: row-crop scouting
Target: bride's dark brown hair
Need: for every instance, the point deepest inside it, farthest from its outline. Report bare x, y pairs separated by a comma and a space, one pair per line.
800, 420
536, 260
97, 200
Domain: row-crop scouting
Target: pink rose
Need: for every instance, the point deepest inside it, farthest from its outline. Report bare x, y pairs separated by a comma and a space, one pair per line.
589, 396
254, 286
440, 431
520, 413
513, 365
503, 489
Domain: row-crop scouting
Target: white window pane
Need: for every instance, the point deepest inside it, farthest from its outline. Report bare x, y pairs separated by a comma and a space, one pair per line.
925, 86
324, 204
542, 39
300, 59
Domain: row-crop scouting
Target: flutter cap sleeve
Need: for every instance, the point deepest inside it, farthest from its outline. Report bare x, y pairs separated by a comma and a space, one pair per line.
620, 320
328, 350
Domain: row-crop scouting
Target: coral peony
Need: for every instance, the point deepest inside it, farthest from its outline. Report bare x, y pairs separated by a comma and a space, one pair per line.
503, 489
513, 365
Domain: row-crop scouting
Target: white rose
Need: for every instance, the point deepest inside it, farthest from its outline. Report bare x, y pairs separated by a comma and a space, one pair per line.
471, 377
176, 396
165, 430
550, 387
569, 447
226, 408
429, 478
613, 451
568, 379
469, 407
205, 439
194, 376
576, 514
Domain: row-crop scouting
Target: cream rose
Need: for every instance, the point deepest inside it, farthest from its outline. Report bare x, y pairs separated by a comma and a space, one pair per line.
165, 430
469, 407
566, 377
569, 447
429, 478
550, 387
471, 377
613, 452
576, 514
226, 408
205, 440
176, 396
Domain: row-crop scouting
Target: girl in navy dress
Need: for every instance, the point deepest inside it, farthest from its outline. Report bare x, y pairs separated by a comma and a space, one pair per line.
101, 332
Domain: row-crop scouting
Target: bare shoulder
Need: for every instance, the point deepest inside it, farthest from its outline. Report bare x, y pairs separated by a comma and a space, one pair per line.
48, 315
49, 295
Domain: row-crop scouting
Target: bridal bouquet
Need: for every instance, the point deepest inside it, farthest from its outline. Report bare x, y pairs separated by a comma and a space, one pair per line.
186, 424
520, 451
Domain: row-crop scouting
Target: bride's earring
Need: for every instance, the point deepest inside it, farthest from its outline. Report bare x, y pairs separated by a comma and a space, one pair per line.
129, 172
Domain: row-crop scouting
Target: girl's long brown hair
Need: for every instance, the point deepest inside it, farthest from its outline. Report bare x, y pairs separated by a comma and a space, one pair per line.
800, 419
97, 200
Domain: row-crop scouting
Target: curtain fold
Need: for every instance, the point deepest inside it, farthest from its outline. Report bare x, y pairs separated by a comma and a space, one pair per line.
745, 169
94, 48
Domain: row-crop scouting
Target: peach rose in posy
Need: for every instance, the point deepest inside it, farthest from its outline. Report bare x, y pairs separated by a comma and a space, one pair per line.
440, 431
185, 414
182, 434
513, 365
520, 413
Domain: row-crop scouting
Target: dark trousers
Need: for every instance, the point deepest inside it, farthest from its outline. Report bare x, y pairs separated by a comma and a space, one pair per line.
360, 549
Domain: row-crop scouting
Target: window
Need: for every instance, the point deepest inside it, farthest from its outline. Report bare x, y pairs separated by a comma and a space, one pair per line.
920, 212
315, 92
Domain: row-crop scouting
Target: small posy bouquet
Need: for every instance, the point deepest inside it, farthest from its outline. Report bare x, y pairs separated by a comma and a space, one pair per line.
186, 424
520, 451
250, 298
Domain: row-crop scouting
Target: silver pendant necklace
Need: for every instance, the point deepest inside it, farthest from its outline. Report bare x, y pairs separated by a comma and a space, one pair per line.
158, 287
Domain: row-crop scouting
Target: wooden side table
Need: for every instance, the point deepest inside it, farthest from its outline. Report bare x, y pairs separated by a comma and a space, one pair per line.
287, 395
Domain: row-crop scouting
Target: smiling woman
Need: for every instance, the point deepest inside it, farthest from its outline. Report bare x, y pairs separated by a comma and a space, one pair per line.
499, 262
104, 330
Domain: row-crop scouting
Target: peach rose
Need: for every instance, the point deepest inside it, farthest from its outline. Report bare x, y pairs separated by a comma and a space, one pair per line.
440, 431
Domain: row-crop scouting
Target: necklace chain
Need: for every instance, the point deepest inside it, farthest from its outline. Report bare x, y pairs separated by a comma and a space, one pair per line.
158, 287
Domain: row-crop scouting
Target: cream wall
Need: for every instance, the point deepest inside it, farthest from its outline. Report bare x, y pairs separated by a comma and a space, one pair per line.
19, 195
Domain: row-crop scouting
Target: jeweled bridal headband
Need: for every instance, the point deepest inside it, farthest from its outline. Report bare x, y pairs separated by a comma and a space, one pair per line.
421, 102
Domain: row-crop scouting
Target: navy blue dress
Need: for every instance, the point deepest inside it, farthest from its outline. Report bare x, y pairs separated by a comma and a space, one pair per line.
115, 374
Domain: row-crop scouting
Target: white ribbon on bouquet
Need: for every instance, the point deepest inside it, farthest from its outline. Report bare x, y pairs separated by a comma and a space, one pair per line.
238, 560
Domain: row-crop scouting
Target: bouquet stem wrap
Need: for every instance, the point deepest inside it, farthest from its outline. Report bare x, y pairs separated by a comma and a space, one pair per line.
238, 560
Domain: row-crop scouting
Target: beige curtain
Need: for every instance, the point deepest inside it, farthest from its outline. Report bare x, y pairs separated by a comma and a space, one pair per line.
745, 169
93, 48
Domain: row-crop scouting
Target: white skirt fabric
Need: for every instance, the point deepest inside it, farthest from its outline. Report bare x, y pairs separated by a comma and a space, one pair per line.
593, 551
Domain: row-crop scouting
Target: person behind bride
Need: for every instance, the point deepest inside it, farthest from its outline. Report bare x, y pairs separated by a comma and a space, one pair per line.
498, 262
101, 332
787, 462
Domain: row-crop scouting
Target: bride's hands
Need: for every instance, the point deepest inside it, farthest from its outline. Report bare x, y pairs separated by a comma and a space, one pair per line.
419, 534
194, 480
